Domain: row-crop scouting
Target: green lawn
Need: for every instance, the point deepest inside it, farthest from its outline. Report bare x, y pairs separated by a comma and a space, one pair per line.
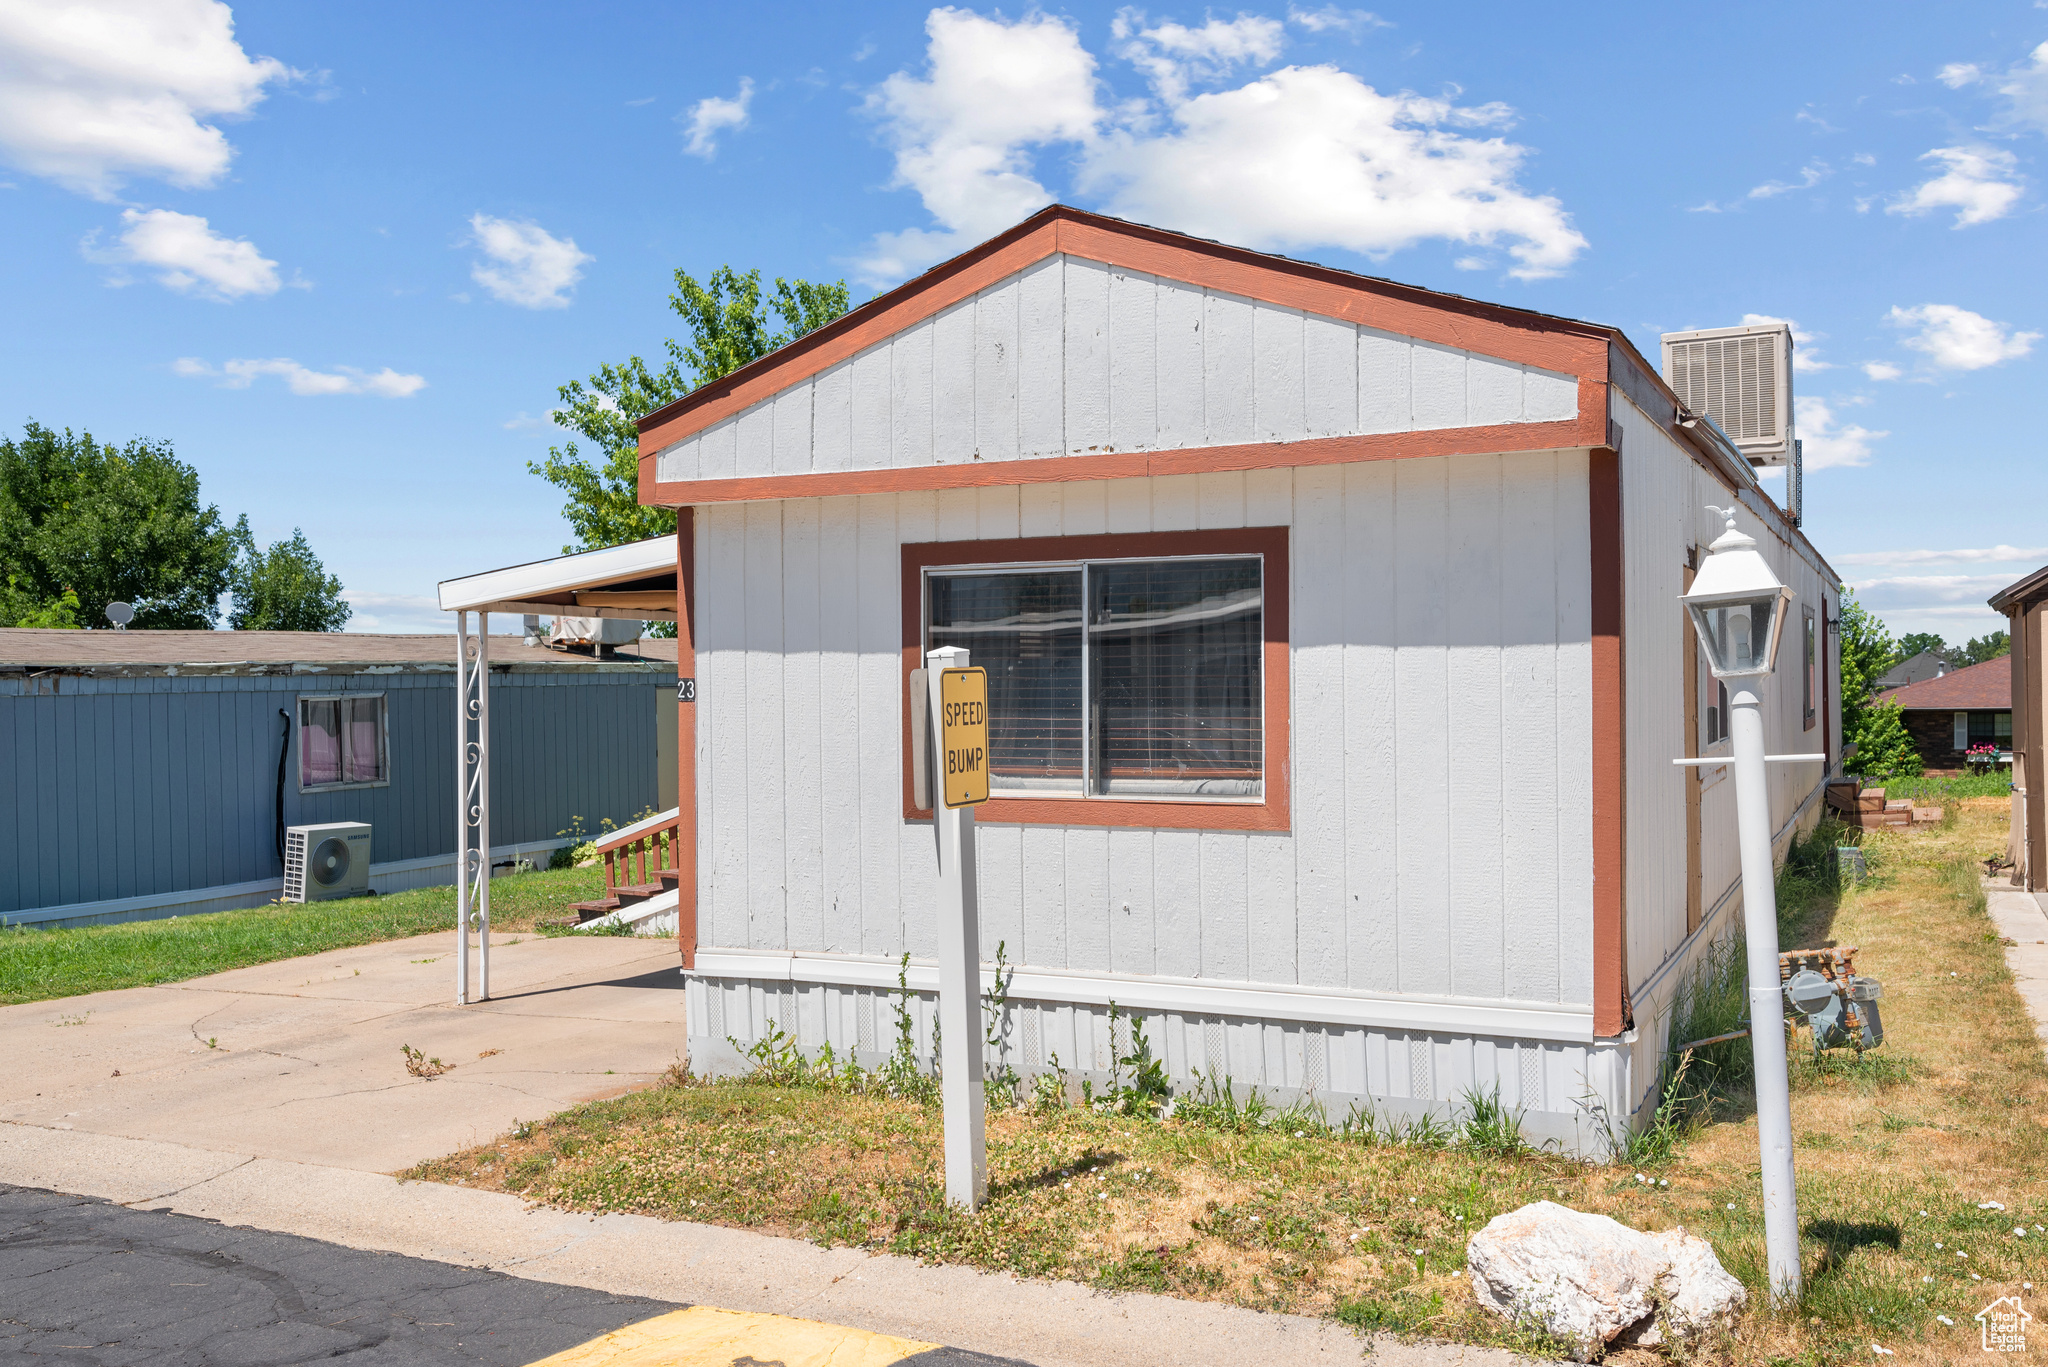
36, 965
1935, 791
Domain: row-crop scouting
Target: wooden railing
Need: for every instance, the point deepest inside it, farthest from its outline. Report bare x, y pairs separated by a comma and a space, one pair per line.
642, 850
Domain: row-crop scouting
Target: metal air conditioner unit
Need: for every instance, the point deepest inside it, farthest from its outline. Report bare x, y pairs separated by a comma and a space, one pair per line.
1742, 379
329, 860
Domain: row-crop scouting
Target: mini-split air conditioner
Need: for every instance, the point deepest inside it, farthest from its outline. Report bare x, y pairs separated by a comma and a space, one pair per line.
1740, 377
330, 860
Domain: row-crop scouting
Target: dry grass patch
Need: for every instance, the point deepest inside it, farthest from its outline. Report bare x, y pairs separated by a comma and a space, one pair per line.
1282, 1213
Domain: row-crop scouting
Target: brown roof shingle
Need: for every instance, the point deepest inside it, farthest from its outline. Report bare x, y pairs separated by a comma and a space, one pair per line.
1988, 685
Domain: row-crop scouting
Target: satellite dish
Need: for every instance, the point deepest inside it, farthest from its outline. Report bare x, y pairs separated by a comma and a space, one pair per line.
120, 614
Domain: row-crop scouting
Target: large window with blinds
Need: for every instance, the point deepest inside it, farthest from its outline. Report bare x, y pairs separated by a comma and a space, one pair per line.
1115, 678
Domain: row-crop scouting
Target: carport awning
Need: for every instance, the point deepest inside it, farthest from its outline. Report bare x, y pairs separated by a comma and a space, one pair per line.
636, 580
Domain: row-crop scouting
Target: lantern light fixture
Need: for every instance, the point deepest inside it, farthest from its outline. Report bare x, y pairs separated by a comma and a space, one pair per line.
1738, 606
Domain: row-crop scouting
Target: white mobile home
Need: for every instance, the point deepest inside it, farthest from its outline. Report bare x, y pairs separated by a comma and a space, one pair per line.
1336, 663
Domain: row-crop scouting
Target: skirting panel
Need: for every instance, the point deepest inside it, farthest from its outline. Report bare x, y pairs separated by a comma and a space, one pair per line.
1568, 1093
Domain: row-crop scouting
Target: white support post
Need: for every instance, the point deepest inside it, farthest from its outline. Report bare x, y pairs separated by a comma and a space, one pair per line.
473, 804
959, 971
1766, 1010
483, 806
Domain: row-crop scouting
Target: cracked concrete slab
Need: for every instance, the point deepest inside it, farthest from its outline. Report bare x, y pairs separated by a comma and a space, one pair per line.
281, 1060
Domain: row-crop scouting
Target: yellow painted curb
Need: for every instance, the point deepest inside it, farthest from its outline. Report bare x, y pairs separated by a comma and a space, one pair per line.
705, 1337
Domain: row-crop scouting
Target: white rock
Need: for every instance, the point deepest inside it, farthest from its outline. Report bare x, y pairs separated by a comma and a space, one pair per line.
1695, 1293
1587, 1279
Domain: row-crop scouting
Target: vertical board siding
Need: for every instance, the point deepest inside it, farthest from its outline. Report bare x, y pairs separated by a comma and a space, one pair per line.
163, 784
1070, 356
1441, 677
1664, 514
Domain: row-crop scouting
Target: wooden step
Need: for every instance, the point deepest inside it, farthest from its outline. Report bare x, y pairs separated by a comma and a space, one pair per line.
636, 892
1923, 816
670, 878
590, 911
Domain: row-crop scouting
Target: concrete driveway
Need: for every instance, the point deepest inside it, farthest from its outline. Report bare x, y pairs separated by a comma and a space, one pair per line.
283, 1060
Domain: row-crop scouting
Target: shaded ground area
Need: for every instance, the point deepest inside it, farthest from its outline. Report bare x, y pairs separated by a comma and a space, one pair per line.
83, 1281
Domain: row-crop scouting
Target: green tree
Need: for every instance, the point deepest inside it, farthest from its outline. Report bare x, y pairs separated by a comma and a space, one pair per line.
284, 588
17, 609
108, 524
1883, 748
729, 326
1984, 648
1915, 642
1867, 652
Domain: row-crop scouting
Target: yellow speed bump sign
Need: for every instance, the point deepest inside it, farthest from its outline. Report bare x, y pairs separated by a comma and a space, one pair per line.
963, 736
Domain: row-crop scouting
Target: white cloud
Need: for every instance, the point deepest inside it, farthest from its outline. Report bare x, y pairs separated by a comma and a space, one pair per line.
1805, 354
1882, 370
1812, 174
2022, 89
2025, 88
1938, 588
95, 91
1330, 19
1172, 55
386, 383
1313, 155
711, 116
1299, 157
393, 611
189, 256
1957, 339
1980, 183
1978, 555
526, 265
1827, 444
962, 136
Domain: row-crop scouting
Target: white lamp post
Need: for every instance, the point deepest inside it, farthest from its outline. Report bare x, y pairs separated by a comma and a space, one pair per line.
1739, 609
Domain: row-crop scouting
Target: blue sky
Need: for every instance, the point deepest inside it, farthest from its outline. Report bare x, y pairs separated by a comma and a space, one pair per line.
342, 256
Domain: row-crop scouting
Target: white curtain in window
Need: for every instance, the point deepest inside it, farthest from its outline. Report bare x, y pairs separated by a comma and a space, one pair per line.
364, 742
319, 742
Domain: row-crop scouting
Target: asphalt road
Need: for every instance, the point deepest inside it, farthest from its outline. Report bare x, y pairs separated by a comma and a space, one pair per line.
83, 1281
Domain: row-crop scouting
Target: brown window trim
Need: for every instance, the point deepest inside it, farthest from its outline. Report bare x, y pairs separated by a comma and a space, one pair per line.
1269, 814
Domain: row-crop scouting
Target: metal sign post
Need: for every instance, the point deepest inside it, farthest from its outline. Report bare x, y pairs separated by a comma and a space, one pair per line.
959, 712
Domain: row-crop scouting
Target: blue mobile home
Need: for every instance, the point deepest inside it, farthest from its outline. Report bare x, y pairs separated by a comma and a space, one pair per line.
151, 773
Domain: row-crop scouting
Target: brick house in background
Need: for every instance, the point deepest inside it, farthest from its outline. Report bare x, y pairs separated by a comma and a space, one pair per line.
1945, 716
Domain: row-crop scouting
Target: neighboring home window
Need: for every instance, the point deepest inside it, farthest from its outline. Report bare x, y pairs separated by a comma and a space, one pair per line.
1983, 728
342, 741
1812, 664
1115, 678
